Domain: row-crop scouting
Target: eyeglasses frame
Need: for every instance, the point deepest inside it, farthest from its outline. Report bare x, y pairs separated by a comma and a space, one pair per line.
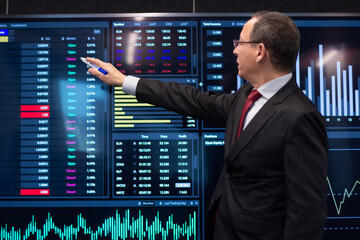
237, 42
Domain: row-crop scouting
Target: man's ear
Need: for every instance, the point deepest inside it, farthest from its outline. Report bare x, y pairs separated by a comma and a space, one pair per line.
261, 52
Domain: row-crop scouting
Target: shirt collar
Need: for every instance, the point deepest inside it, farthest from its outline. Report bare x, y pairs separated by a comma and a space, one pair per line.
269, 89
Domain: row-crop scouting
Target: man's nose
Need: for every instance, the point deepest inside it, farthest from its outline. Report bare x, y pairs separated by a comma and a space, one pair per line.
235, 52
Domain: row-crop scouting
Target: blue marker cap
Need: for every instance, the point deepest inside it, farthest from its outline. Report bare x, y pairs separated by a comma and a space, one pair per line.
102, 71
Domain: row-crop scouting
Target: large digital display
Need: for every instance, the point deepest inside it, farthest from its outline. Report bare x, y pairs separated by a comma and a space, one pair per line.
82, 160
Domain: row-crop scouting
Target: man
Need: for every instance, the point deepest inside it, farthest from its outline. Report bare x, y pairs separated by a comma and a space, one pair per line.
273, 182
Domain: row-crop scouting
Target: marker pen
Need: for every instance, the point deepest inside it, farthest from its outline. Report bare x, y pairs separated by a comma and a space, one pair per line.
94, 66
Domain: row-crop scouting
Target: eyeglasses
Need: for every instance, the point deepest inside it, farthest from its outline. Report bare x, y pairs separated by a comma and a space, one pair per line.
237, 42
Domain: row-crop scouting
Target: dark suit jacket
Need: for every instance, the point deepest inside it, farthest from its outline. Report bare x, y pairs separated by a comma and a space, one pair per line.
273, 184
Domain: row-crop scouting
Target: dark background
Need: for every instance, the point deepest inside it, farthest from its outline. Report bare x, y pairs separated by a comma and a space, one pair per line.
12, 7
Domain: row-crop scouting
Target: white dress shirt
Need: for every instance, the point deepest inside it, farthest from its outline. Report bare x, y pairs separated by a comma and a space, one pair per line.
266, 90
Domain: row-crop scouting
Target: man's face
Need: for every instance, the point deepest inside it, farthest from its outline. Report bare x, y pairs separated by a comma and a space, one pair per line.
246, 52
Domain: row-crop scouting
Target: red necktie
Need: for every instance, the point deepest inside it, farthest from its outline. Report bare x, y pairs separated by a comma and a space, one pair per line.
253, 96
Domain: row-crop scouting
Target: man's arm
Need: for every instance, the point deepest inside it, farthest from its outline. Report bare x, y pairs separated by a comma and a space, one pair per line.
183, 99
305, 163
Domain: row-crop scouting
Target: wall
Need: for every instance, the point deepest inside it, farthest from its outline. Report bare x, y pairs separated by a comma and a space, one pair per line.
131, 6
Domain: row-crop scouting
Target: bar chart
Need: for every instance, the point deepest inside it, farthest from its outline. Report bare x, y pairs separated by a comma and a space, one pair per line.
339, 98
130, 114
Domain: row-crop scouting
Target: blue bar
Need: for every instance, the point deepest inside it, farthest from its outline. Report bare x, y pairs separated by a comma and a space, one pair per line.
313, 81
214, 54
34, 185
357, 100
240, 81
351, 92
357, 108
125, 109
174, 116
309, 84
34, 150
35, 80
155, 24
215, 88
34, 164
336, 135
298, 69
214, 43
340, 218
35, 122
214, 66
177, 121
345, 100
333, 95
102, 203
35, 66
32, 101
32, 178
215, 77
321, 72
35, 87
224, 23
34, 45
34, 129
34, 52
218, 32
34, 94
327, 97
34, 135
4, 32
34, 143
338, 72
327, 23
35, 157
34, 73
34, 171
62, 24
154, 125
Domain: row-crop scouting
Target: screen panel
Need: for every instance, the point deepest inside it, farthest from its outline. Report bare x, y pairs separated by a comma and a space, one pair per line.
79, 158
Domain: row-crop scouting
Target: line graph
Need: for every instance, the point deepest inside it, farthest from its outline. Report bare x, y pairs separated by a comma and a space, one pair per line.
343, 177
347, 194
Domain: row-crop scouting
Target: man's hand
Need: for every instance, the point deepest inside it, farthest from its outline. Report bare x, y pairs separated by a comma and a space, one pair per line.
113, 78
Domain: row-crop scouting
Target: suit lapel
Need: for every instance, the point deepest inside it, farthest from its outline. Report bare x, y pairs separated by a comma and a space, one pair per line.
237, 114
264, 114
250, 131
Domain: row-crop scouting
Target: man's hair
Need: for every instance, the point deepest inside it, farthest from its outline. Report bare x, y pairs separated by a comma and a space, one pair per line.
280, 36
